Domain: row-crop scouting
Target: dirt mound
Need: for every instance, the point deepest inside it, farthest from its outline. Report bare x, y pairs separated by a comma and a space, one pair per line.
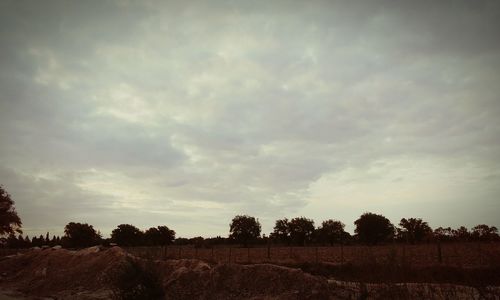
111, 273
96, 273
190, 279
56, 271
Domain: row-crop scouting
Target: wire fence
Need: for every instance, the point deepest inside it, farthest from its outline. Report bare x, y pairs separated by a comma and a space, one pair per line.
465, 254
449, 254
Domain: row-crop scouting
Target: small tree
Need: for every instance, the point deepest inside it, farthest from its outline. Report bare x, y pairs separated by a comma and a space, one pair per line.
9, 220
127, 235
414, 230
79, 235
331, 231
301, 230
244, 228
372, 228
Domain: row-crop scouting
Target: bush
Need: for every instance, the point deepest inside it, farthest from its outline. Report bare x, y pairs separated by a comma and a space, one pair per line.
138, 282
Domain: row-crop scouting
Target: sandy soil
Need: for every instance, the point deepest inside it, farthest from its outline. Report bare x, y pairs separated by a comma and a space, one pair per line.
96, 273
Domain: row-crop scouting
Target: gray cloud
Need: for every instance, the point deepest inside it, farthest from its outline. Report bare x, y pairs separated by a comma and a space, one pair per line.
189, 113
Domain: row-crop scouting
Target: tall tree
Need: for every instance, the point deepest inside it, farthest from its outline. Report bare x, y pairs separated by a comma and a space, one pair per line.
244, 229
79, 235
414, 230
301, 230
9, 219
331, 231
127, 235
281, 231
461, 233
485, 233
372, 228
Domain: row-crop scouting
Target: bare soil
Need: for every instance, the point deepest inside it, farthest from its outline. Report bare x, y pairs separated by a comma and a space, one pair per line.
96, 273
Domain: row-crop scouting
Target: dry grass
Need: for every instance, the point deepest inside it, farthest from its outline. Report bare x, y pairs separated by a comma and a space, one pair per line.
467, 255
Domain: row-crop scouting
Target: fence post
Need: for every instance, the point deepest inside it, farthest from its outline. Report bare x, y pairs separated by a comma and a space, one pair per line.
480, 253
403, 259
341, 254
440, 254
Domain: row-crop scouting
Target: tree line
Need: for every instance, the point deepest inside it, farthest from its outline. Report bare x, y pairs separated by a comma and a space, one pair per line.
370, 228
246, 230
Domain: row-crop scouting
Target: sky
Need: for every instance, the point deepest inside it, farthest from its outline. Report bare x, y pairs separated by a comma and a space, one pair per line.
187, 113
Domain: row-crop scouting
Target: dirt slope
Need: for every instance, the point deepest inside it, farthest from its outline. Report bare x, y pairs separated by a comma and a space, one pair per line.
112, 273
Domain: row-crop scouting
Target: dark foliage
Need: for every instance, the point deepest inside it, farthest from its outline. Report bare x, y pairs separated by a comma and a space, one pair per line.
138, 282
414, 230
159, 236
9, 219
330, 231
244, 229
281, 231
301, 230
127, 235
78, 235
372, 228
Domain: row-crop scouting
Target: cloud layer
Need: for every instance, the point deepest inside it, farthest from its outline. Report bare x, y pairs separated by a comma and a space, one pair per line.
187, 114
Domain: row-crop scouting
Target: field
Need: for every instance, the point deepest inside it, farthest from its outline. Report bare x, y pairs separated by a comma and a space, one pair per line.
467, 255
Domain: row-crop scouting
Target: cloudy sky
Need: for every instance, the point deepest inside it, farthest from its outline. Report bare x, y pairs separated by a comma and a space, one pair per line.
187, 113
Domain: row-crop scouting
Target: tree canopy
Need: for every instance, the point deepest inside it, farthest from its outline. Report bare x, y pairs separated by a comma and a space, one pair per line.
372, 228
244, 228
79, 235
9, 219
331, 231
414, 229
281, 231
127, 235
159, 236
301, 230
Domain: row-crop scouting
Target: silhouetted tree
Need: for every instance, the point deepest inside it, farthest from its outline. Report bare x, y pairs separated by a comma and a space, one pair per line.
127, 235
281, 231
443, 234
12, 241
461, 233
414, 230
9, 219
34, 242
159, 236
79, 235
484, 232
198, 242
330, 231
180, 241
301, 230
372, 228
41, 240
244, 229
